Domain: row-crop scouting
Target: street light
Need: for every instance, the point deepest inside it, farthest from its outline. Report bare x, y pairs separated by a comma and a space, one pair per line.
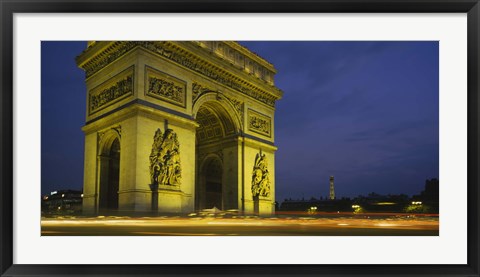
312, 210
356, 209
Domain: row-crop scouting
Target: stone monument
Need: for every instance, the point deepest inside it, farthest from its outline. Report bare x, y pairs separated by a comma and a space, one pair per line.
177, 127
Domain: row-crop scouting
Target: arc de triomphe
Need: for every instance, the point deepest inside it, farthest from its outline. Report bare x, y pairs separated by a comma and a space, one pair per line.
177, 127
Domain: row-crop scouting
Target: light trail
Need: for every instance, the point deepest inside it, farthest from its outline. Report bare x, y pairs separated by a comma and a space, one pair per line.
238, 226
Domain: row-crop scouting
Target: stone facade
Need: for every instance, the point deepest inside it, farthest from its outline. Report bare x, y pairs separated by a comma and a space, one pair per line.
177, 127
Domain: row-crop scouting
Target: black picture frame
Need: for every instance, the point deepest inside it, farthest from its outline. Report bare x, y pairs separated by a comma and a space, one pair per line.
9, 7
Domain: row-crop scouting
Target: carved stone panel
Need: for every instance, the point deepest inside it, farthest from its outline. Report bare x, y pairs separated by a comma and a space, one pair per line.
111, 91
260, 177
259, 123
165, 168
165, 87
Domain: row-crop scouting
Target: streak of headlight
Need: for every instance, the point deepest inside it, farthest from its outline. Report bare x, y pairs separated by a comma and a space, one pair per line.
236, 223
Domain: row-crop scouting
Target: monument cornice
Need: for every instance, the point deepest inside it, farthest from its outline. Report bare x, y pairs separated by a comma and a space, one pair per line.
239, 80
252, 55
238, 47
101, 54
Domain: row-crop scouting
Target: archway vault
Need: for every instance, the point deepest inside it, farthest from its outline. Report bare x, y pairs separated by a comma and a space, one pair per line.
214, 124
215, 104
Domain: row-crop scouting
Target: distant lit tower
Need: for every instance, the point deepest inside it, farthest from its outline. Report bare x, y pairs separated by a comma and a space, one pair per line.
332, 189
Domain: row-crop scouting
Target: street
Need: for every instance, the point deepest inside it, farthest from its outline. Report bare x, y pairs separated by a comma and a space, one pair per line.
241, 226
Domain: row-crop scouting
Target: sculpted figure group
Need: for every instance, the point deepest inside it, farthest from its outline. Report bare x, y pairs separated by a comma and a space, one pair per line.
260, 177
165, 166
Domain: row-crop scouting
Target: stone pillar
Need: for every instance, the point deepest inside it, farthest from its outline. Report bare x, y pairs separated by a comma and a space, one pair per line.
259, 188
262, 206
90, 190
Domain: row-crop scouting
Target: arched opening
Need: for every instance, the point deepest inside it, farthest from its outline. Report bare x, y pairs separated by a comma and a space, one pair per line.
213, 184
109, 176
215, 135
210, 187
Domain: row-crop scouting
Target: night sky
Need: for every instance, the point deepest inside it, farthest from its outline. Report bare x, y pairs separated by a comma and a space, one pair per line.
365, 112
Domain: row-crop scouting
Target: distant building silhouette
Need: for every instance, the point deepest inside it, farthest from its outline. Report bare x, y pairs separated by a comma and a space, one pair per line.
62, 202
429, 197
425, 202
431, 191
319, 205
332, 189
374, 202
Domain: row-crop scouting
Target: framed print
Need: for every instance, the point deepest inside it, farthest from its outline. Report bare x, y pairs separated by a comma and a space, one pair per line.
255, 138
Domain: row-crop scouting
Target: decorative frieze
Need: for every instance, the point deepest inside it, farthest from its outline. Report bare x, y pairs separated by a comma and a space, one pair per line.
110, 54
179, 56
259, 123
260, 176
111, 91
165, 87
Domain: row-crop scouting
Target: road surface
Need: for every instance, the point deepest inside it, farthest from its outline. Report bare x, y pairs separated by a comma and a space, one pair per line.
240, 226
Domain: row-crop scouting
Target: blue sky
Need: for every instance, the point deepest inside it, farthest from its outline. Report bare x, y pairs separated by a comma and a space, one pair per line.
365, 112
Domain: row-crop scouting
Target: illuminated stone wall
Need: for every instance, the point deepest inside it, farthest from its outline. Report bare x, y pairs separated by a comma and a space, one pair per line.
217, 97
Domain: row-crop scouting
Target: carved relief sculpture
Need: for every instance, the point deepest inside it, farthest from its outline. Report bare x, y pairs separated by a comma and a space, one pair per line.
165, 166
260, 177
165, 87
259, 123
110, 92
